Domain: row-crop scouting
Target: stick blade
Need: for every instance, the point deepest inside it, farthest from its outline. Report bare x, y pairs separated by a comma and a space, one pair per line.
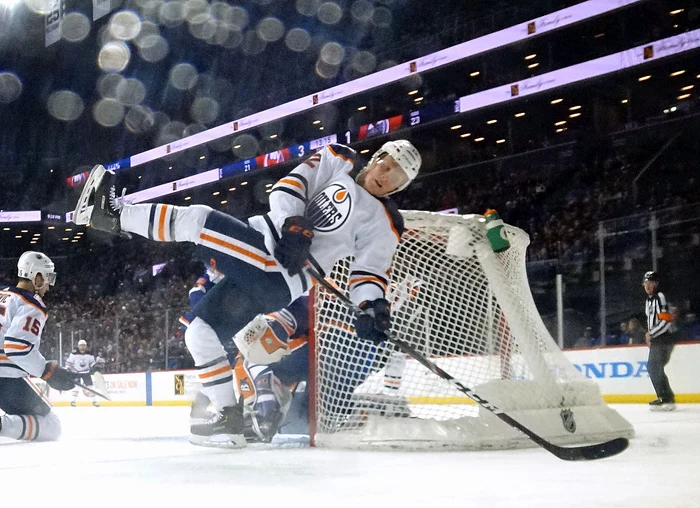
591, 452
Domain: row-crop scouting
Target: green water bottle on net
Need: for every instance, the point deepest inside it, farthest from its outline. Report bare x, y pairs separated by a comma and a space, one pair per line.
495, 231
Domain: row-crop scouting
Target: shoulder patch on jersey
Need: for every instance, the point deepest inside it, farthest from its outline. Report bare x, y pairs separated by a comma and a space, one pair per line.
395, 217
344, 152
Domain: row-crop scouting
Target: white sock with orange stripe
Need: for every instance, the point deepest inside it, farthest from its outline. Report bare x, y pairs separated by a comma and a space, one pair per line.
31, 428
165, 223
394, 372
211, 363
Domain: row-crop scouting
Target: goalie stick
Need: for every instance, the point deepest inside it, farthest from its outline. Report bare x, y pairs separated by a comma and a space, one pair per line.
586, 452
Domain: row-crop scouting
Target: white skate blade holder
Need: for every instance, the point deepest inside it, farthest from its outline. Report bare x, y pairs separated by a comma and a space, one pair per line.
81, 215
227, 441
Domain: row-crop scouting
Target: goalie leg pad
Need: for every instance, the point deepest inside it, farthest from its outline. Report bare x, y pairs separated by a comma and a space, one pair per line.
263, 341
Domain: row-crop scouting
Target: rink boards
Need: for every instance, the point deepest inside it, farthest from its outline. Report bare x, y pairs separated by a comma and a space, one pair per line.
621, 373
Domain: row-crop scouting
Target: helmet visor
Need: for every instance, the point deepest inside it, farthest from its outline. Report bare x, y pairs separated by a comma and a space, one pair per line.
50, 278
394, 175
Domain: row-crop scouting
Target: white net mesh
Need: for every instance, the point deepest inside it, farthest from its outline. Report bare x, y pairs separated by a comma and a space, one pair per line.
470, 311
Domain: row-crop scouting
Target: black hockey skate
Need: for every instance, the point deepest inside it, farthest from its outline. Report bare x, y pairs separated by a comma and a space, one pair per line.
662, 405
223, 430
106, 208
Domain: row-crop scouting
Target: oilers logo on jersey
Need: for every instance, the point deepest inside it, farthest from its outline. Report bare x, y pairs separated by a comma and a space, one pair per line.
330, 208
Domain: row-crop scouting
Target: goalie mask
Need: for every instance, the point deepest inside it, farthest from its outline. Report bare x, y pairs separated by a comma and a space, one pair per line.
33, 263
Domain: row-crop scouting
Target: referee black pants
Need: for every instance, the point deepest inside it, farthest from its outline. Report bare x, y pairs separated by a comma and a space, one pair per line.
659, 356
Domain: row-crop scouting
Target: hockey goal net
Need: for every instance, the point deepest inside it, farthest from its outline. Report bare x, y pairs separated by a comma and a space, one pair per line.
470, 311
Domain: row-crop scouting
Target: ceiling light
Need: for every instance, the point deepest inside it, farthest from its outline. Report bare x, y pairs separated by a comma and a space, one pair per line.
65, 238
684, 96
69, 229
518, 115
24, 231
202, 157
366, 150
685, 88
418, 99
80, 233
530, 57
244, 183
5, 229
644, 78
215, 193
187, 198
268, 191
491, 122
51, 227
34, 241
321, 128
624, 101
455, 127
413, 92
465, 135
361, 108
478, 139
574, 115
236, 147
74, 241
598, 36
224, 202
474, 74
316, 122
574, 108
677, 11
273, 136
140, 175
561, 130
560, 123
18, 236
170, 167
557, 101
677, 73
673, 108
232, 189
500, 141
533, 65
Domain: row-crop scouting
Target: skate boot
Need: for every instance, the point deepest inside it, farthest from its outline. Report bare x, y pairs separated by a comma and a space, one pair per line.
223, 430
662, 405
106, 208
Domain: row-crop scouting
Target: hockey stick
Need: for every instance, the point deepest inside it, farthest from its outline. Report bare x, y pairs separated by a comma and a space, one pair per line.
92, 390
586, 452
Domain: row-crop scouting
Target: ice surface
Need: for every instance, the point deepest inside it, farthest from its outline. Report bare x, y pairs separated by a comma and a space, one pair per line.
113, 456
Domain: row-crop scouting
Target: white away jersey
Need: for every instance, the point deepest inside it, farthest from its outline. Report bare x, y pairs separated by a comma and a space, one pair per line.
22, 319
348, 221
80, 362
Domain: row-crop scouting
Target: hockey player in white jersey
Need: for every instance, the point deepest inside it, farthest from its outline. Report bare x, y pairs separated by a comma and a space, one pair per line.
82, 362
318, 214
28, 414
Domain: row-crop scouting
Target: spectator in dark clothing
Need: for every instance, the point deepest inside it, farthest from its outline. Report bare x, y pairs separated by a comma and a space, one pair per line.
635, 332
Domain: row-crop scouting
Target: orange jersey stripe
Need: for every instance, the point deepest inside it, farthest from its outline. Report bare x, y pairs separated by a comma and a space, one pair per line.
391, 223
30, 430
292, 182
161, 223
240, 250
366, 279
346, 159
16, 346
220, 370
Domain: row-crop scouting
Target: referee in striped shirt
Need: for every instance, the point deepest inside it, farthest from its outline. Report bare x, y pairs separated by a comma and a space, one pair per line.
661, 338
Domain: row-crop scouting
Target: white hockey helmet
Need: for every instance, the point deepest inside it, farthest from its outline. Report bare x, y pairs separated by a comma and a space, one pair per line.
32, 263
406, 155
82, 345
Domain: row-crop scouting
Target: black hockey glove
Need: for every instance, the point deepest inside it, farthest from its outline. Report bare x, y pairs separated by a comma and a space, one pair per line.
374, 322
59, 378
294, 245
